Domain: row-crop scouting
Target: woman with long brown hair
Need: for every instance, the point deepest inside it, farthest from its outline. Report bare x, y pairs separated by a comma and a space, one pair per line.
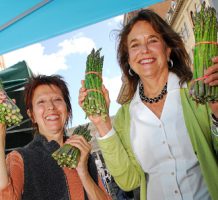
160, 141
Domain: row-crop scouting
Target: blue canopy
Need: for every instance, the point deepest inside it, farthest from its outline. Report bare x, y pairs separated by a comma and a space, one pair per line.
30, 21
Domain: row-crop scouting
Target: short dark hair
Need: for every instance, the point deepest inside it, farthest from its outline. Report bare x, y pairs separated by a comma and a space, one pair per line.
179, 55
56, 80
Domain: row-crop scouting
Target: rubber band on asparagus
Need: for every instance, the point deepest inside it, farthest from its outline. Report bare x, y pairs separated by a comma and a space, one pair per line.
96, 73
206, 42
94, 90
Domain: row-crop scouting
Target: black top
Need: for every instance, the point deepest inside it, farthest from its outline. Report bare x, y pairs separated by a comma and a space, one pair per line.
44, 179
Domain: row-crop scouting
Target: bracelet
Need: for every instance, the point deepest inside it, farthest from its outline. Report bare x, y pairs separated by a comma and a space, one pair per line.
215, 120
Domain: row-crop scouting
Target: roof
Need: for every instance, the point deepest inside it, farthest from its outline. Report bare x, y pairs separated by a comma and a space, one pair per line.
160, 8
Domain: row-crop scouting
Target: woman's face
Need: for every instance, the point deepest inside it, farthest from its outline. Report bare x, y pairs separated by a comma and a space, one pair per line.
49, 110
148, 53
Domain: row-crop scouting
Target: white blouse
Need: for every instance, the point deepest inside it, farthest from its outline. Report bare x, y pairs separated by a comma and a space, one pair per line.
163, 149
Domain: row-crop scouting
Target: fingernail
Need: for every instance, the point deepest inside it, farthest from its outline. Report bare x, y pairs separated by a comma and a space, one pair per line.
206, 81
214, 58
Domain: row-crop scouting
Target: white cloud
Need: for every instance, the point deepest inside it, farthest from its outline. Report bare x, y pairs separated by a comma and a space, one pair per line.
113, 85
116, 20
76, 45
48, 64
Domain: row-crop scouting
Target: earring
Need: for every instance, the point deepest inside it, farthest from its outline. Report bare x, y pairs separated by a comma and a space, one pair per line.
170, 63
131, 72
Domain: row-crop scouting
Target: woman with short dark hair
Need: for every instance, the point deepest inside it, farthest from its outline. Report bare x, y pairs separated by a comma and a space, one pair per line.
30, 172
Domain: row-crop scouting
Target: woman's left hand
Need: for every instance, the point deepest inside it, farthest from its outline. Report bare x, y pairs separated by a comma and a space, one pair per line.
212, 80
96, 192
85, 149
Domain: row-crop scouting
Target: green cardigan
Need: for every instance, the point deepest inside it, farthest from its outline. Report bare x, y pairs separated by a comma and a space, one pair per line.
128, 174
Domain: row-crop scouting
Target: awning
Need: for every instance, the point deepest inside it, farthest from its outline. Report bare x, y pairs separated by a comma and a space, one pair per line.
15, 77
26, 22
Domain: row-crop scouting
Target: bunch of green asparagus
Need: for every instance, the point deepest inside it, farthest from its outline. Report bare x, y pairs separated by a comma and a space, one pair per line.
68, 155
94, 103
9, 112
205, 32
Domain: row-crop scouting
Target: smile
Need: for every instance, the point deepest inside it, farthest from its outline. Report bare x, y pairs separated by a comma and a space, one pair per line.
52, 117
146, 61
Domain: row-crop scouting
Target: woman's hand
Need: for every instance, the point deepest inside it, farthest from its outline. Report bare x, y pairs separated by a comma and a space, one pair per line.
2, 126
80, 142
103, 126
3, 170
2, 136
82, 168
212, 80
2, 133
212, 73
2, 96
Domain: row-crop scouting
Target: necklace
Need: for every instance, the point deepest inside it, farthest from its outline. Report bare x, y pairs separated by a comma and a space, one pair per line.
151, 100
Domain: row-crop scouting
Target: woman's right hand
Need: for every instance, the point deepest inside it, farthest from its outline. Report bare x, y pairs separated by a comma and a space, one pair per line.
103, 126
2, 132
3, 170
2, 126
2, 96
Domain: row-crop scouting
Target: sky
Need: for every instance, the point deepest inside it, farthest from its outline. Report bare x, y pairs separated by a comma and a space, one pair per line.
66, 55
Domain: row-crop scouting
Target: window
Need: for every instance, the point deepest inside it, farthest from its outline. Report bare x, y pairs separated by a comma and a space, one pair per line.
192, 17
173, 4
185, 32
198, 7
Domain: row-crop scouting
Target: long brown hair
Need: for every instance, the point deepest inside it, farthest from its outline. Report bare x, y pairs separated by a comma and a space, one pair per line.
38, 80
179, 55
